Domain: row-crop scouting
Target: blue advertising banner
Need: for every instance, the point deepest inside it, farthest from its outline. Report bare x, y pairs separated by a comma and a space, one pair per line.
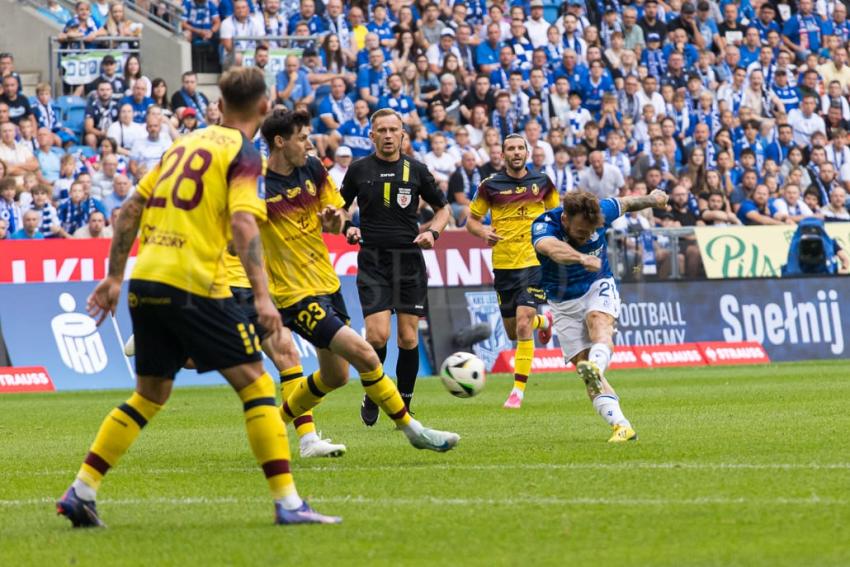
46, 324
795, 319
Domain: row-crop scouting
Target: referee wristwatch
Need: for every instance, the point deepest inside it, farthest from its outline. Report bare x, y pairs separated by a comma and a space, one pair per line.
434, 233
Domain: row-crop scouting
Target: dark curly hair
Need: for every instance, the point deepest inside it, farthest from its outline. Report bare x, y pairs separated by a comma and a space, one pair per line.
584, 204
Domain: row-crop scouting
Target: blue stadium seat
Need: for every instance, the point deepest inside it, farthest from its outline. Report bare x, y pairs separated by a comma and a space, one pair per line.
72, 110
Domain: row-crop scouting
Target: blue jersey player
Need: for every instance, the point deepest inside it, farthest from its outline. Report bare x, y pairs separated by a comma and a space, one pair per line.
573, 252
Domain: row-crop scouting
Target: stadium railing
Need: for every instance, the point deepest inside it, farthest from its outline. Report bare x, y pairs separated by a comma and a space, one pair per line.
75, 66
617, 248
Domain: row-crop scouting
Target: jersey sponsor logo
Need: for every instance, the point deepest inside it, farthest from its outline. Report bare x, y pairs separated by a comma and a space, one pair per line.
293, 192
77, 338
387, 175
150, 234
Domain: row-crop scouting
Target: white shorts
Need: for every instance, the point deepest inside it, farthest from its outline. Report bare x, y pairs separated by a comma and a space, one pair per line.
570, 316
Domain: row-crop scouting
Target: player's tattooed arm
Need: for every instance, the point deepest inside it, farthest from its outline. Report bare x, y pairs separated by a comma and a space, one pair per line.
124, 234
562, 253
657, 199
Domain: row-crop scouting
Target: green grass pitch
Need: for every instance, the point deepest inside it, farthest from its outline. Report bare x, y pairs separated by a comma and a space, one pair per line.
735, 466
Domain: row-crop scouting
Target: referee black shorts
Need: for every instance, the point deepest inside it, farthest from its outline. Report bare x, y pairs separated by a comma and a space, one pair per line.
392, 280
171, 325
518, 287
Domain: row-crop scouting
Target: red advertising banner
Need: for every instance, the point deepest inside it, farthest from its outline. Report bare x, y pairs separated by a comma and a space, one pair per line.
459, 259
626, 357
663, 356
552, 360
720, 353
16, 380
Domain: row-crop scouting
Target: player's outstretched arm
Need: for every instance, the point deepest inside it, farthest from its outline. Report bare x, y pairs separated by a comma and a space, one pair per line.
562, 253
657, 199
249, 248
105, 297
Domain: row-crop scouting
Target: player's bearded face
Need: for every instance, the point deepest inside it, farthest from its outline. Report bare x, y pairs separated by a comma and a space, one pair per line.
579, 229
516, 156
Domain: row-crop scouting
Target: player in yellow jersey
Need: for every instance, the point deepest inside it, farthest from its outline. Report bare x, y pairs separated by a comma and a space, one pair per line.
515, 197
202, 194
300, 195
280, 348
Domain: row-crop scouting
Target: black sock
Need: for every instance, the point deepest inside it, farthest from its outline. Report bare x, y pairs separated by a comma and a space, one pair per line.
382, 353
407, 367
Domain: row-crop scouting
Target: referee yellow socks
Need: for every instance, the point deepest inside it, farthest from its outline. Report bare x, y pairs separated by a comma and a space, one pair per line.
116, 434
305, 396
522, 362
290, 379
267, 436
384, 392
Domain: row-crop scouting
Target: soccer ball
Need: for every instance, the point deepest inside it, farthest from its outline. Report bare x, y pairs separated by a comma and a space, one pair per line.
463, 374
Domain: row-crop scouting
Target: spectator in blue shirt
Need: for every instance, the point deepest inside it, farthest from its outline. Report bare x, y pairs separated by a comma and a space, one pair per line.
372, 80
501, 76
336, 108
75, 212
292, 84
395, 99
81, 26
803, 32
308, 16
30, 229
595, 86
138, 100
200, 20
49, 158
766, 21
575, 72
355, 133
757, 210
381, 26
487, 52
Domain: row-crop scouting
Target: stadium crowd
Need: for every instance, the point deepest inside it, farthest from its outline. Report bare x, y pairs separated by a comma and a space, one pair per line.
738, 109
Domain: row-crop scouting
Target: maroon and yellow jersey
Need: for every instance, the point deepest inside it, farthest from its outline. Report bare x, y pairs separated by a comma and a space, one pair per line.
297, 259
514, 204
191, 194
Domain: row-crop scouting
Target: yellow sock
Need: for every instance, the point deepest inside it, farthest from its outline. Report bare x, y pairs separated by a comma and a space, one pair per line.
540, 322
384, 392
522, 362
267, 435
116, 434
289, 381
305, 396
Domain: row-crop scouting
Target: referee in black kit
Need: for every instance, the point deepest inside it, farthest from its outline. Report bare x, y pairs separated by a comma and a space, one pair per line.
391, 275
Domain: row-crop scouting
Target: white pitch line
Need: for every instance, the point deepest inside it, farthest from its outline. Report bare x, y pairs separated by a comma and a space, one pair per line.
301, 468
436, 501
